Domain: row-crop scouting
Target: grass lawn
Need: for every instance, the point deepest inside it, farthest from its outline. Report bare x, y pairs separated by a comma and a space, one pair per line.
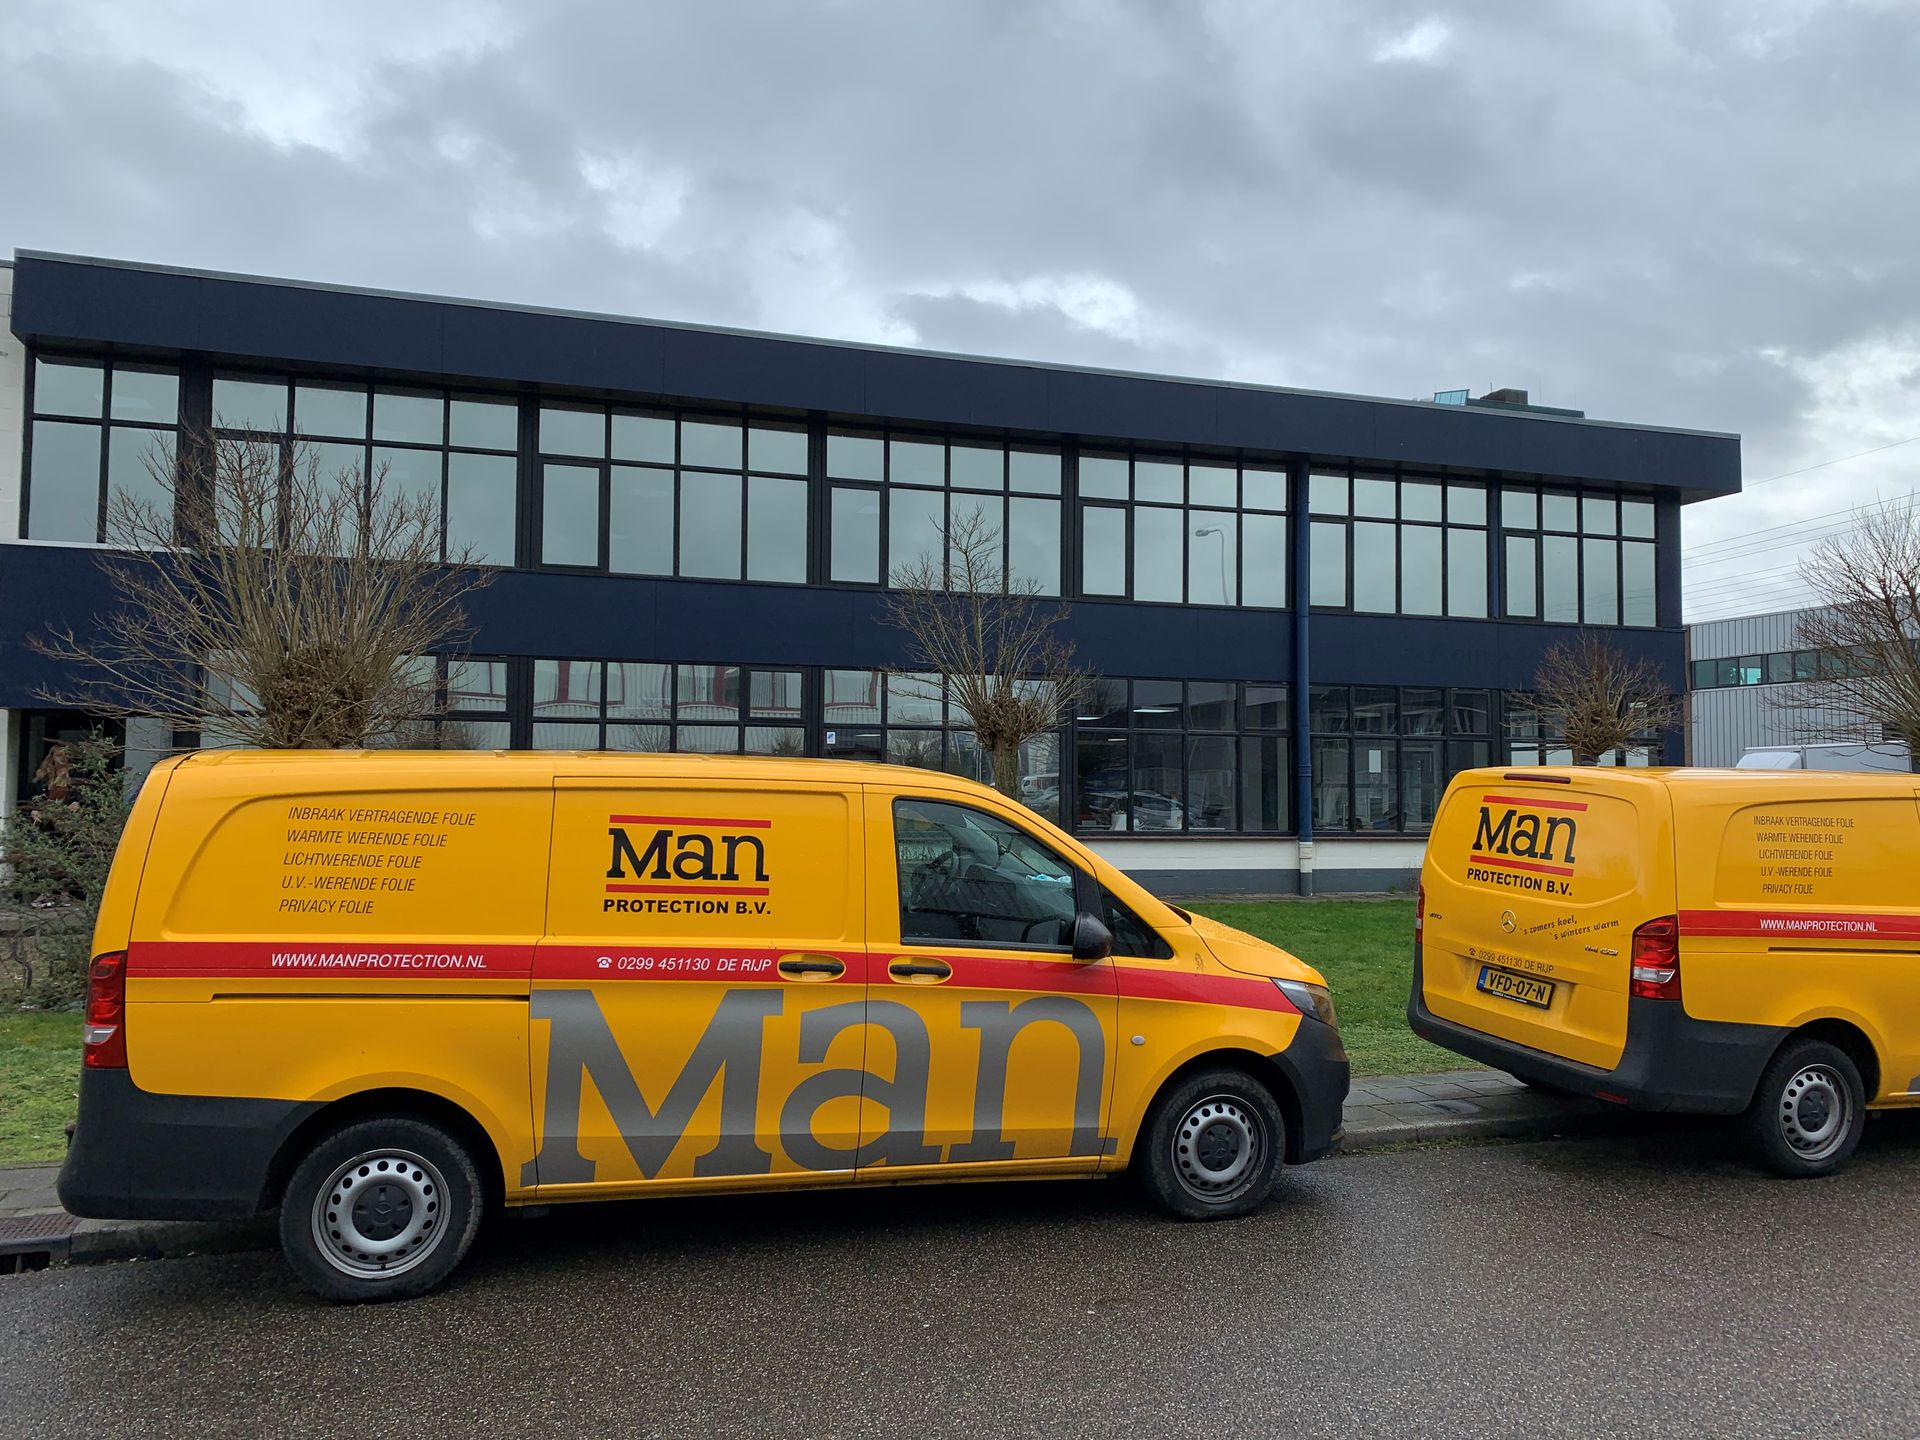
1365, 949
39, 1084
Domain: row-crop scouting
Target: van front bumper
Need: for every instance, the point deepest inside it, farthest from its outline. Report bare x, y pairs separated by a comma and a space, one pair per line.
1672, 1061
136, 1155
1315, 1066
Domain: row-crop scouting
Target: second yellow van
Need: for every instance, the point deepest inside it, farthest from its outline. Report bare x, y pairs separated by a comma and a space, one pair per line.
1732, 942
383, 991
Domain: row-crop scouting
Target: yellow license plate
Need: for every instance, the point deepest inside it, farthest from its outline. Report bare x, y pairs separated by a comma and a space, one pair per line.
1509, 986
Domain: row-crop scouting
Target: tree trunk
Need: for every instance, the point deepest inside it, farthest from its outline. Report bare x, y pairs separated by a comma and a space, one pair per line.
1006, 769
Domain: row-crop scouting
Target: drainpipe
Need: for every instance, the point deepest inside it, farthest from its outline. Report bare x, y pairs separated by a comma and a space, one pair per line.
1302, 740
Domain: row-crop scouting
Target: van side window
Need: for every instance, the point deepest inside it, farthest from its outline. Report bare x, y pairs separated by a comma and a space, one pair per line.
1132, 936
971, 878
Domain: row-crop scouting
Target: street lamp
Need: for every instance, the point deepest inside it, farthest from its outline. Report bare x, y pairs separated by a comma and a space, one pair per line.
1221, 536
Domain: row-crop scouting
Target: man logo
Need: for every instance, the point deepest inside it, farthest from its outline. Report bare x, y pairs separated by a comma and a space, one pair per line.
1507, 923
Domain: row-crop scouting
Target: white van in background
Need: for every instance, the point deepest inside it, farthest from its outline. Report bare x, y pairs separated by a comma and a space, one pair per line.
1826, 755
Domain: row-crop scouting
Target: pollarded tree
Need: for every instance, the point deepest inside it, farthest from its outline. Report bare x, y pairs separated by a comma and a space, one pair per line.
1597, 697
1865, 631
993, 640
266, 597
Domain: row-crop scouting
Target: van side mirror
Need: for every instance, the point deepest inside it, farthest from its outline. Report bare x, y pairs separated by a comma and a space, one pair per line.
1091, 938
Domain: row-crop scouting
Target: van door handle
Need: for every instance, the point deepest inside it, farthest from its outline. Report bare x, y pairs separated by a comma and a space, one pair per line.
910, 969
813, 965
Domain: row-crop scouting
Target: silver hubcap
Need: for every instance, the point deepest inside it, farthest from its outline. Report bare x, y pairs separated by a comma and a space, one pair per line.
381, 1214
1815, 1112
1216, 1145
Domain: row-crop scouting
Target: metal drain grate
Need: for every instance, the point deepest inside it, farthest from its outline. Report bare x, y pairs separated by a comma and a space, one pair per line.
32, 1242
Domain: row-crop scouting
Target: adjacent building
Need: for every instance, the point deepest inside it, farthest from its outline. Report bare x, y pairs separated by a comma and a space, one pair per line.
1305, 608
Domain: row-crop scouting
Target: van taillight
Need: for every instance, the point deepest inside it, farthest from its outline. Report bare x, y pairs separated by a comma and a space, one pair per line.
105, 1031
1656, 960
1419, 912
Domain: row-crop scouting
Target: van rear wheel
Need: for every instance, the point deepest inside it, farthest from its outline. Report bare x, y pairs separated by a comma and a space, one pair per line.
1213, 1146
1809, 1111
381, 1209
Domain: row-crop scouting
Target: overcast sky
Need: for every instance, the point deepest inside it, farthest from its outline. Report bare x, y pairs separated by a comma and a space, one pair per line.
1674, 211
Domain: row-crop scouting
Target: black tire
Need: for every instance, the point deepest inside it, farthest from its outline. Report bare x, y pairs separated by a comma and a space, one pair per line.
406, 1200
1808, 1112
1212, 1146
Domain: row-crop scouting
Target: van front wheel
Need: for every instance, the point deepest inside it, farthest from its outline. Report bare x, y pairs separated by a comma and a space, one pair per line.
1808, 1114
380, 1209
1213, 1146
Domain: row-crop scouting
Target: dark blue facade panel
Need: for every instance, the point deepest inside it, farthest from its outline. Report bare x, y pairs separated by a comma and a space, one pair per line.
1497, 654
67, 301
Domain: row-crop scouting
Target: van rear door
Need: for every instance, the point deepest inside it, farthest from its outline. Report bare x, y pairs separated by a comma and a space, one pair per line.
1535, 882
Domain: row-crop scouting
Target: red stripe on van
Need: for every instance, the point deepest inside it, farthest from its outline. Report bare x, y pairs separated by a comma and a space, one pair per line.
1535, 804
1500, 863
690, 820
688, 964
689, 890
294, 959
1247, 994
1800, 924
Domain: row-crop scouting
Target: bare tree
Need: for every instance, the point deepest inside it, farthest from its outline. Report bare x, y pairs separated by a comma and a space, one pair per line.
268, 600
993, 640
1866, 632
1597, 697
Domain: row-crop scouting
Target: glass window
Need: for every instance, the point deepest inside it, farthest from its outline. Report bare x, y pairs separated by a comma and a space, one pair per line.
1327, 495
707, 692
331, 411
566, 689
1467, 573
1212, 551
1131, 935
1422, 778
1419, 500
970, 878
714, 443
777, 529
1636, 518
240, 404
707, 739
1157, 480
1332, 804
139, 466
1519, 510
1702, 672
570, 515
570, 431
1156, 704
1033, 543
914, 700
1466, 505
1420, 568
855, 535
1265, 783
1035, 471
640, 520
1327, 709
480, 507
1637, 581
1559, 512
852, 455
1264, 546
1423, 711
565, 736
1213, 485
1374, 710
782, 448
1373, 497
1599, 515
1157, 553
1376, 798
1601, 582
1263, 489
1154, 803
484, 424
1520, 575
63, 501
410, 415
1266, 707
150, 397
916, 526
410, 476
1779, 668
1373, 567
916, 462
1210, 704
60, 388
1213, 781
1560, 579
1103, 477
637, 690
978, 467
1472, 712
1329, 562
709, 523
1103, 550
643, 435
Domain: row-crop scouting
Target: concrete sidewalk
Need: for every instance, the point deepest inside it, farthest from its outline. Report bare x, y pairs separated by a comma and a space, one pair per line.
1383, 1111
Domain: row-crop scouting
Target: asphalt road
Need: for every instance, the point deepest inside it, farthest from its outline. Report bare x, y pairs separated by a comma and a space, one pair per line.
1648, 1285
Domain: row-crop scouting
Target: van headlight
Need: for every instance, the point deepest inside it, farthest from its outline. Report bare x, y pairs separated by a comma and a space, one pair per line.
1314, 1000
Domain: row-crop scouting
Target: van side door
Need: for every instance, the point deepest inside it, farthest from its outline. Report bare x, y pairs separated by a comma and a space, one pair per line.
991, 1047
699, 996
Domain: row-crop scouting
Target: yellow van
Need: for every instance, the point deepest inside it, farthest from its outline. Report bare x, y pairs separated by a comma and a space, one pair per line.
383, 991
1730, 942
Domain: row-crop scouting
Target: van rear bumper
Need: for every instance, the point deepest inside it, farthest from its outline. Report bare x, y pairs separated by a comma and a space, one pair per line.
1315, 1065
1672, 1061
137, 1155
